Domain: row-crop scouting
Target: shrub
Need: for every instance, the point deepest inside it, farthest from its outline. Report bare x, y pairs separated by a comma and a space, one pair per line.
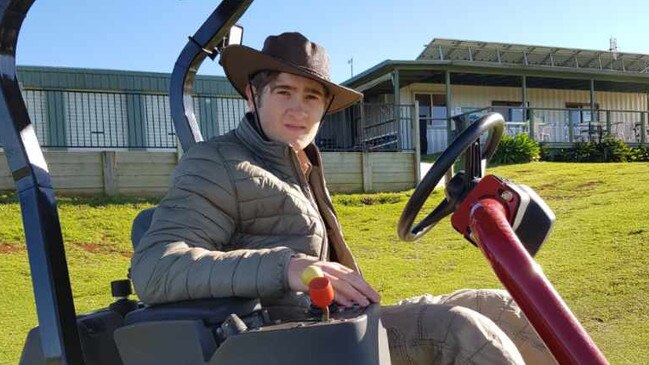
639, 154
545, 153
610, 149
613, 149
558, 155
518, 149
584, 152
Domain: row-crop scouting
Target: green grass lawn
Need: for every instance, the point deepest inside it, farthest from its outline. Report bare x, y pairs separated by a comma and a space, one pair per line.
597, 256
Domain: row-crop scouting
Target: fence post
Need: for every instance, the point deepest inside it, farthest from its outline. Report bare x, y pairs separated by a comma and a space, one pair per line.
643, 131
415, 141
365, 155
401, 143
571, 131
449, 138
367, 171
608, 122
363, 138
109, 168
530, 113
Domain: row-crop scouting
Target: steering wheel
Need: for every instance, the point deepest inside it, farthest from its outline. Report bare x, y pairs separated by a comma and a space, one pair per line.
461, 184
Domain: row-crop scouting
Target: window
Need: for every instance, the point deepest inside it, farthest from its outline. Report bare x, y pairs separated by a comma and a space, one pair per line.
432, 108
580, 112
512, 111
439, 106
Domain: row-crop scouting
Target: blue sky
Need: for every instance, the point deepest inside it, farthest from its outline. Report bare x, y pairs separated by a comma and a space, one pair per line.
147, 35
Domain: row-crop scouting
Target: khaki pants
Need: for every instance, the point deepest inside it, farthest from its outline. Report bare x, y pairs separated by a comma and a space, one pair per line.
465, 327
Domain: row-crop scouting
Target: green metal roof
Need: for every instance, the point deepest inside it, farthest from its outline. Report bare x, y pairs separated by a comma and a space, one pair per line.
63, 78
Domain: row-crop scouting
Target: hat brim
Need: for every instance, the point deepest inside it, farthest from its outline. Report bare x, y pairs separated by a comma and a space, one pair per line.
240, 62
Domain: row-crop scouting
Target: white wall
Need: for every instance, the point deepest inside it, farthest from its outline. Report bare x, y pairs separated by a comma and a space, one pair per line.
482, 96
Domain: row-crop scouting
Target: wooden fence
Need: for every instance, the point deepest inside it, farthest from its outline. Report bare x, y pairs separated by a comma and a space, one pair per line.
143, 173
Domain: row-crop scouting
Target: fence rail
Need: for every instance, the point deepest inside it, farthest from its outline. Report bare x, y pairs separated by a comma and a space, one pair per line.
112, 120
129, 120
369, 127
556, 125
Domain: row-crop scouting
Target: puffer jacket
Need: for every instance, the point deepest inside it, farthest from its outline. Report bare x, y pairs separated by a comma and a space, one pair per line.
238, 209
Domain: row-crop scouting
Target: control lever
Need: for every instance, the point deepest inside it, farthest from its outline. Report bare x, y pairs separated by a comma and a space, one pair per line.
320, 290
322, 295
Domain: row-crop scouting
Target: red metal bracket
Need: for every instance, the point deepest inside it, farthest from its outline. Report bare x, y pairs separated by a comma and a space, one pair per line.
489, 187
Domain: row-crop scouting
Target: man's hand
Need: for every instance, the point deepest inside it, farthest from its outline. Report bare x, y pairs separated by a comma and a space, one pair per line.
349, 287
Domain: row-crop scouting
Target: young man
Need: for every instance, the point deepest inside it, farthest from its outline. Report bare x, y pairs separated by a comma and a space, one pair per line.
249, 211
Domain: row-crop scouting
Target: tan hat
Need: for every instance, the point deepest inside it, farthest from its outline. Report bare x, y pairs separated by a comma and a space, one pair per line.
288, 52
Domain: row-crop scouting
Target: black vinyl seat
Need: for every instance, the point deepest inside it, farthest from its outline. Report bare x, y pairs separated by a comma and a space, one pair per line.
141, 224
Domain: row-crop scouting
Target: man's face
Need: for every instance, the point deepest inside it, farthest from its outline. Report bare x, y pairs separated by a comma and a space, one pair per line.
290, 108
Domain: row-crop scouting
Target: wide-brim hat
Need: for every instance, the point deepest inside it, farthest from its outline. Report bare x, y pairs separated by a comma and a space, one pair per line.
288, 52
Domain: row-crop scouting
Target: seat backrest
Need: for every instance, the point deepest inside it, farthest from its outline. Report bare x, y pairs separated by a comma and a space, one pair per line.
141, 224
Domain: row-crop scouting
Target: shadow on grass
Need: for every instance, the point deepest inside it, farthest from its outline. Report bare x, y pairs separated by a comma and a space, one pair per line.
9, 197
358, 200
103, 200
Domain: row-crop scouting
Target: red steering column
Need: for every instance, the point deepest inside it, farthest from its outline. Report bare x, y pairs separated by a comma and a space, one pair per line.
486, 217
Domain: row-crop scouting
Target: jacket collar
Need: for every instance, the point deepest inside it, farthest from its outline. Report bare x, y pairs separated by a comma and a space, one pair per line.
274, 152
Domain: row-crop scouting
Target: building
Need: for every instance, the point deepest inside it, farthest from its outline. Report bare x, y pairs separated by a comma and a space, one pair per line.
106, 131
86, 109
557, 95
111, 131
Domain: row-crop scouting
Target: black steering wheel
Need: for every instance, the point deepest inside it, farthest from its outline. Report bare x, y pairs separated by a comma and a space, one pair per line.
458, 186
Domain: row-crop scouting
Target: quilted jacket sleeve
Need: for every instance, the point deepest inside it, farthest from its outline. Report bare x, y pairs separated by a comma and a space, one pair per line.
187, 254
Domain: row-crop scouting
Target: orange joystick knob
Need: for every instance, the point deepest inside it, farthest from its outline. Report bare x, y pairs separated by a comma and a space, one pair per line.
321, 292
322, 295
